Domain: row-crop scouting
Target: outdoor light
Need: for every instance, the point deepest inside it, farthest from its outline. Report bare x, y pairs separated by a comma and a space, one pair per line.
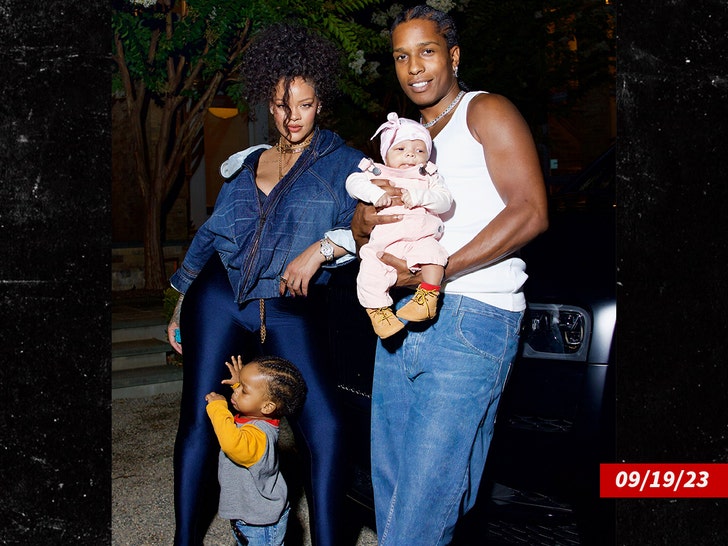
556, 331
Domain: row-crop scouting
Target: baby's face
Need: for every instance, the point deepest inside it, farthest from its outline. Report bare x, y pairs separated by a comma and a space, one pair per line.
407, 153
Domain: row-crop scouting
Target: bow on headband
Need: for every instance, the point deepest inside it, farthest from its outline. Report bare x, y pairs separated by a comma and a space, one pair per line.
397, 129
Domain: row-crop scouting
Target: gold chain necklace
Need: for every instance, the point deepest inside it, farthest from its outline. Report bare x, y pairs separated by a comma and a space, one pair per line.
290, 149
282, 149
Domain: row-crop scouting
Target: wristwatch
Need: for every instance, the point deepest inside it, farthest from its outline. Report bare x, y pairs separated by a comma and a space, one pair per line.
327, 250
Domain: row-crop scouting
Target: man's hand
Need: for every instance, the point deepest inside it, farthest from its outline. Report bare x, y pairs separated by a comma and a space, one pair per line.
393, 192
366, 217
405, 277
364, 220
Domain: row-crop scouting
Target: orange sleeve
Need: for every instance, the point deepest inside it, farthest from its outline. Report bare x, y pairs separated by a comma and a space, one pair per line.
243, 445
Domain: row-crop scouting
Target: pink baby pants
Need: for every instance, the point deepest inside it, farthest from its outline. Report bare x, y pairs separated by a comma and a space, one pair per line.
414, 238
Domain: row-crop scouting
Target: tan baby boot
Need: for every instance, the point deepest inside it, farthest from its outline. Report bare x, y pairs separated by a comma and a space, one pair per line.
384, 322
422, 306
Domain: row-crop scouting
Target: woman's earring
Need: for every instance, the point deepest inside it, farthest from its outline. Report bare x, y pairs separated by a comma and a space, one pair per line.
318, 109
271, 110
455, 71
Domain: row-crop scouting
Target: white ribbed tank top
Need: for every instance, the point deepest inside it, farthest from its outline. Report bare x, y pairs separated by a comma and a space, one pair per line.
459, 158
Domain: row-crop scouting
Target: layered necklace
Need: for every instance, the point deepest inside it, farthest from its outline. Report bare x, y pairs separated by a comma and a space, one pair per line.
285, 147
445, 112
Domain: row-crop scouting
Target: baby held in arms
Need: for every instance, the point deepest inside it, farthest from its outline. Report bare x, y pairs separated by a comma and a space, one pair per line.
406, 147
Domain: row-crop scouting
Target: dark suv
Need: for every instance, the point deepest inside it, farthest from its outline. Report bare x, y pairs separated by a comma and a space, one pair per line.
555, 422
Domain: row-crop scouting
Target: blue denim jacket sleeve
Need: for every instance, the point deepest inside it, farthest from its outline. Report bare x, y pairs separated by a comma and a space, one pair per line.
200, 250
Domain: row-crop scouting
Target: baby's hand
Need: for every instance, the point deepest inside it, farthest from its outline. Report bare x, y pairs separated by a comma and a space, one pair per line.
211, 397
407, 200
235, 369
384, 201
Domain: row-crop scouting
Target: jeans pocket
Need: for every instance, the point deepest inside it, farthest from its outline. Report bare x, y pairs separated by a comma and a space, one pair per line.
485, 333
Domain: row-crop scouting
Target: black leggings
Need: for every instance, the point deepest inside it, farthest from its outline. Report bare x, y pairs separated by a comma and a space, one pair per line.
213, 328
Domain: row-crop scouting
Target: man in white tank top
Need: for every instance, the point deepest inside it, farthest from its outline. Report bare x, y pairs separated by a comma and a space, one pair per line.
437, 385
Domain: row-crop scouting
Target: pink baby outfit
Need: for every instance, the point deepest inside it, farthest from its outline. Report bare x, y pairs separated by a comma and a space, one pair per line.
414, 238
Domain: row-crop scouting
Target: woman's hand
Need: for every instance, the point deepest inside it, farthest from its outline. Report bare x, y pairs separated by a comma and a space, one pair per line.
235, 368
173, 327
300, 270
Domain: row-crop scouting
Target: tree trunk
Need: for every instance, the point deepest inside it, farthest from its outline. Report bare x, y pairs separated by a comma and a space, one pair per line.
160, 156
154, 273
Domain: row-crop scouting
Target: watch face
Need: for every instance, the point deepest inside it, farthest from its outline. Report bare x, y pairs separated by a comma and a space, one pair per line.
327, 250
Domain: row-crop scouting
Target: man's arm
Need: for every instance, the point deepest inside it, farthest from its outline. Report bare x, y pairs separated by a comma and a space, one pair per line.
513, 164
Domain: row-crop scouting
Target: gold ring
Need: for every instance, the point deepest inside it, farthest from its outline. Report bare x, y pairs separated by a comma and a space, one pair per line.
283, 279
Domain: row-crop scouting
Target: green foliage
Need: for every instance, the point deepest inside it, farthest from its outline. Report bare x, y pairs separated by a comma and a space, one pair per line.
209, 30
520, 49
178, 55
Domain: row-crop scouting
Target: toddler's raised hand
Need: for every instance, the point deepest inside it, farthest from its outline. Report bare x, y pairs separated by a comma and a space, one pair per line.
235, 369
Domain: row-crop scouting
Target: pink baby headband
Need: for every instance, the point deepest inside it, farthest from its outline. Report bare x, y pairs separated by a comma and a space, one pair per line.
397, 129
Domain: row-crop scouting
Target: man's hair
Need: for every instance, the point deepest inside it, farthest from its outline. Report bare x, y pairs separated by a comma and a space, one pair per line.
445, 24
286, 386
286, 51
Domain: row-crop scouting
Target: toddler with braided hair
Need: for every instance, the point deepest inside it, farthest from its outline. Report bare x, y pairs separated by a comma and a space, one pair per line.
253, 493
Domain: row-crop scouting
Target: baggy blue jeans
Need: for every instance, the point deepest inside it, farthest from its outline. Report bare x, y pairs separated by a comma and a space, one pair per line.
260, 535
213, 329
434, 400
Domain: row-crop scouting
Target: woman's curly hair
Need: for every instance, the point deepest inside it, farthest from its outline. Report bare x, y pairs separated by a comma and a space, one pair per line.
286, 386
288, 51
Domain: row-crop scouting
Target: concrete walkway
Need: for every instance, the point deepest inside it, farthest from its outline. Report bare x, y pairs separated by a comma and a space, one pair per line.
143, 431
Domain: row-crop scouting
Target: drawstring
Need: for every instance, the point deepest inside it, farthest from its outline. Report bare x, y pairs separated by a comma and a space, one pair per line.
262, 320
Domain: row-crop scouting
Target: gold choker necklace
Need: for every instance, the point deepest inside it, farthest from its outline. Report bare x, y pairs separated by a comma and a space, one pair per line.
293, 148
290, 149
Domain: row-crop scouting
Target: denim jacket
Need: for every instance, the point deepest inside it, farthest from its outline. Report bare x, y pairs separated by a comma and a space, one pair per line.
256, 236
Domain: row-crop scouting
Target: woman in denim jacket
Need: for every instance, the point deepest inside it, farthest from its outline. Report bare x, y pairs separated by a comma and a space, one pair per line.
249, 267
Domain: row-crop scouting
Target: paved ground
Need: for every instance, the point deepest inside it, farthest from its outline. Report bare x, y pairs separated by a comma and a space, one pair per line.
143, 432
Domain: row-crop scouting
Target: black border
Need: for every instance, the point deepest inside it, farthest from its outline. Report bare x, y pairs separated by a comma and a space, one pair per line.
55, 425
671, 382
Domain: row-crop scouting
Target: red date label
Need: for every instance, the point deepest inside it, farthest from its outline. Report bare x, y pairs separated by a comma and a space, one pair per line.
663, 480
